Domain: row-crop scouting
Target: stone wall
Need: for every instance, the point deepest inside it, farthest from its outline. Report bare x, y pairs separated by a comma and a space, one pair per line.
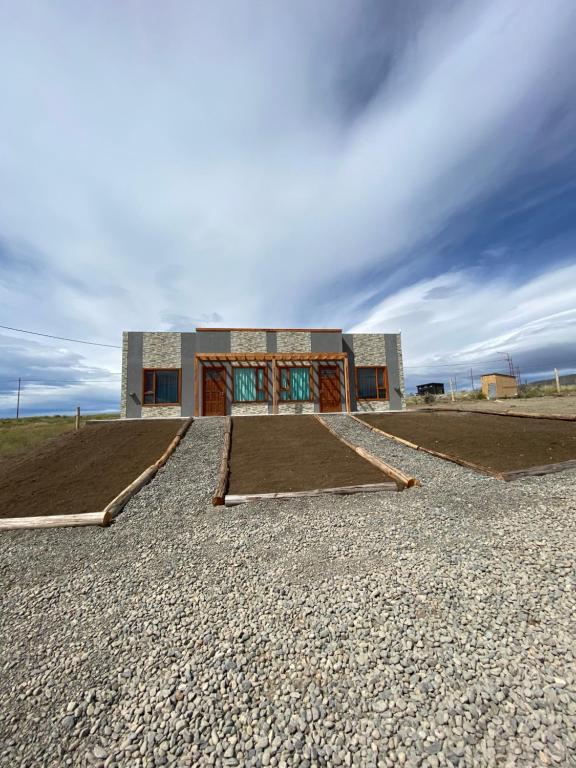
161, 350
306, 407
161, 411
293, 341
372, 406
249, 409
248, 341
369, 349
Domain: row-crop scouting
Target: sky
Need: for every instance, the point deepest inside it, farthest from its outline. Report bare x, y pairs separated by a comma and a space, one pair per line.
374, 165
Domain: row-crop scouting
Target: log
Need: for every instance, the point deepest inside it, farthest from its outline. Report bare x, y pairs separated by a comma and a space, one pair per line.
438, 454
517, 414
233, 500
119, 502
402, 480
218, 497
52, 521
544, 469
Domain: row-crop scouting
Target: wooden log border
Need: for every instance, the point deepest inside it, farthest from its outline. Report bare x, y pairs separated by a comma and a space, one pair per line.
110, 511
233, 500
514, 414
401, 479
219, 495
515, 474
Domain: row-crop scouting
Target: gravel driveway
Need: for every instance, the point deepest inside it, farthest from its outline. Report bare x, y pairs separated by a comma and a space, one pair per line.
430, 627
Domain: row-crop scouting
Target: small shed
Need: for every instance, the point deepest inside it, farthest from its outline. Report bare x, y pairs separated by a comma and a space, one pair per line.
499, 385
430, 389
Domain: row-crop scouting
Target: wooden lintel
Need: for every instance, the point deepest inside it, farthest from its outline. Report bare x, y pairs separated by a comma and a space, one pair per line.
262, 356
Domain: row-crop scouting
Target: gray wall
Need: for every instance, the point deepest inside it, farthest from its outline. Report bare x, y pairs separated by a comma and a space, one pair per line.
134, 375
188, 341
326, 341
394, 371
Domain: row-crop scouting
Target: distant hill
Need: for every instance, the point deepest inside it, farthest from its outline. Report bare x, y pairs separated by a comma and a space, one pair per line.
569, 378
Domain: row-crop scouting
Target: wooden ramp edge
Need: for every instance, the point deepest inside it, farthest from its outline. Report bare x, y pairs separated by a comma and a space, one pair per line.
218, 497
110, 511
513, 414
232, 500
401, 479
437, 454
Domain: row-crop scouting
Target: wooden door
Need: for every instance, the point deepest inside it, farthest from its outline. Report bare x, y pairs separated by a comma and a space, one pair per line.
330, 400
214, 391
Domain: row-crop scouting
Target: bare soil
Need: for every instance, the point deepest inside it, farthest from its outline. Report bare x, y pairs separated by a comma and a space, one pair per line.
499, 443
275, 454
553, 405
81, 471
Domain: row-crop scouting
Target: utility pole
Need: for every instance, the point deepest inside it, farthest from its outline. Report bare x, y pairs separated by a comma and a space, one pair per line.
472, 378
451, 389
557, 377
18, 401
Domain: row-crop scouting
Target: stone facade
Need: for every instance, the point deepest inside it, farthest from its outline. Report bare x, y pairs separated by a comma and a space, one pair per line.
306, 407
369, 349
161, 350
248, 341
372, 406
164, 411
294, 341
249, 409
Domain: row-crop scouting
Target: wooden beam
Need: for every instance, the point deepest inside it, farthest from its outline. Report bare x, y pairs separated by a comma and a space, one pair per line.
274, 387
224, 471
262, 356
545, 469
196, 386
233, 500
402, 480
347, 383
519, 415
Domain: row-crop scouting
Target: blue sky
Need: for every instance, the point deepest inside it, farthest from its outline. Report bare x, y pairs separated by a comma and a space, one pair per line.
379, 166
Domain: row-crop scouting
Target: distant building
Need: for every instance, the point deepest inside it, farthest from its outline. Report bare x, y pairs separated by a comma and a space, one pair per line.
498, 385
430, 389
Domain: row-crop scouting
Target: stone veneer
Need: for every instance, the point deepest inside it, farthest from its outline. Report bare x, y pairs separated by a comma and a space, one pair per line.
124, 377
294, 341
369, 349
164, 411
161, 350
248, 341
372, 406
306, 407
249, 409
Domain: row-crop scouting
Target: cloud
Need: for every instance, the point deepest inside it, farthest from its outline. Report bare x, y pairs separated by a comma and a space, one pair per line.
261, 164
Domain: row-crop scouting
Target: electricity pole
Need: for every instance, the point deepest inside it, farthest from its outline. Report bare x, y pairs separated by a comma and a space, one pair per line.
18, 401
472, 378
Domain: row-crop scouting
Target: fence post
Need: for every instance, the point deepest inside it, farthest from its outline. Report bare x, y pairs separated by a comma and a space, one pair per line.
557, 377
77, 417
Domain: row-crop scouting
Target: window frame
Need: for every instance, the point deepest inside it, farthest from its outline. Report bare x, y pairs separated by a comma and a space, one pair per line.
281, 389
146, 371
258, 366
379, 387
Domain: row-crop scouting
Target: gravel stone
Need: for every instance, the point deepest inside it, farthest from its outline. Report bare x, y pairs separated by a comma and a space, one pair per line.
433, 627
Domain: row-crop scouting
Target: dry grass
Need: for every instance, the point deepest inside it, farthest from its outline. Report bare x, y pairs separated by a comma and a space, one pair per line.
18, 436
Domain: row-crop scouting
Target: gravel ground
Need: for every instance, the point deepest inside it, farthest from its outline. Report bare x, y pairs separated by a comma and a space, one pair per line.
431, 627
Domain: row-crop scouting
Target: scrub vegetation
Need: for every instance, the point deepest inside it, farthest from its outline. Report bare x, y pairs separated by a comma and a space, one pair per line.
17, 436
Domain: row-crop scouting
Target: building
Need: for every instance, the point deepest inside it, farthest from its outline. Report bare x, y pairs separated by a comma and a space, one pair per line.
430, 389
498, 385
219, 371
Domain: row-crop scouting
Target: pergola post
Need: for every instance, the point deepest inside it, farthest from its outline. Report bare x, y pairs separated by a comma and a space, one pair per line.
347, 384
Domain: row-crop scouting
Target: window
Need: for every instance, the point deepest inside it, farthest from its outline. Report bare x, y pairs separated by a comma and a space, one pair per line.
295, 383
161, 386
250, 385
371, 383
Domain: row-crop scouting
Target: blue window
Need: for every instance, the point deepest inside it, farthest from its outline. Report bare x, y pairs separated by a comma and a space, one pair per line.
295, 383
161, 387
250, 385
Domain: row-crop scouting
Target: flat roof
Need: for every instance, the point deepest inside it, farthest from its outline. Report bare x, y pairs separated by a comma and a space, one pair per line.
502, 375
291, 330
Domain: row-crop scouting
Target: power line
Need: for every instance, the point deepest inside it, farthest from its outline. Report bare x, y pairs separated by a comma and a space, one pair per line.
61, 338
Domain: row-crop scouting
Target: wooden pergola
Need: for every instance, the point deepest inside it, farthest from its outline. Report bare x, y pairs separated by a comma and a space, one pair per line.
277, 359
